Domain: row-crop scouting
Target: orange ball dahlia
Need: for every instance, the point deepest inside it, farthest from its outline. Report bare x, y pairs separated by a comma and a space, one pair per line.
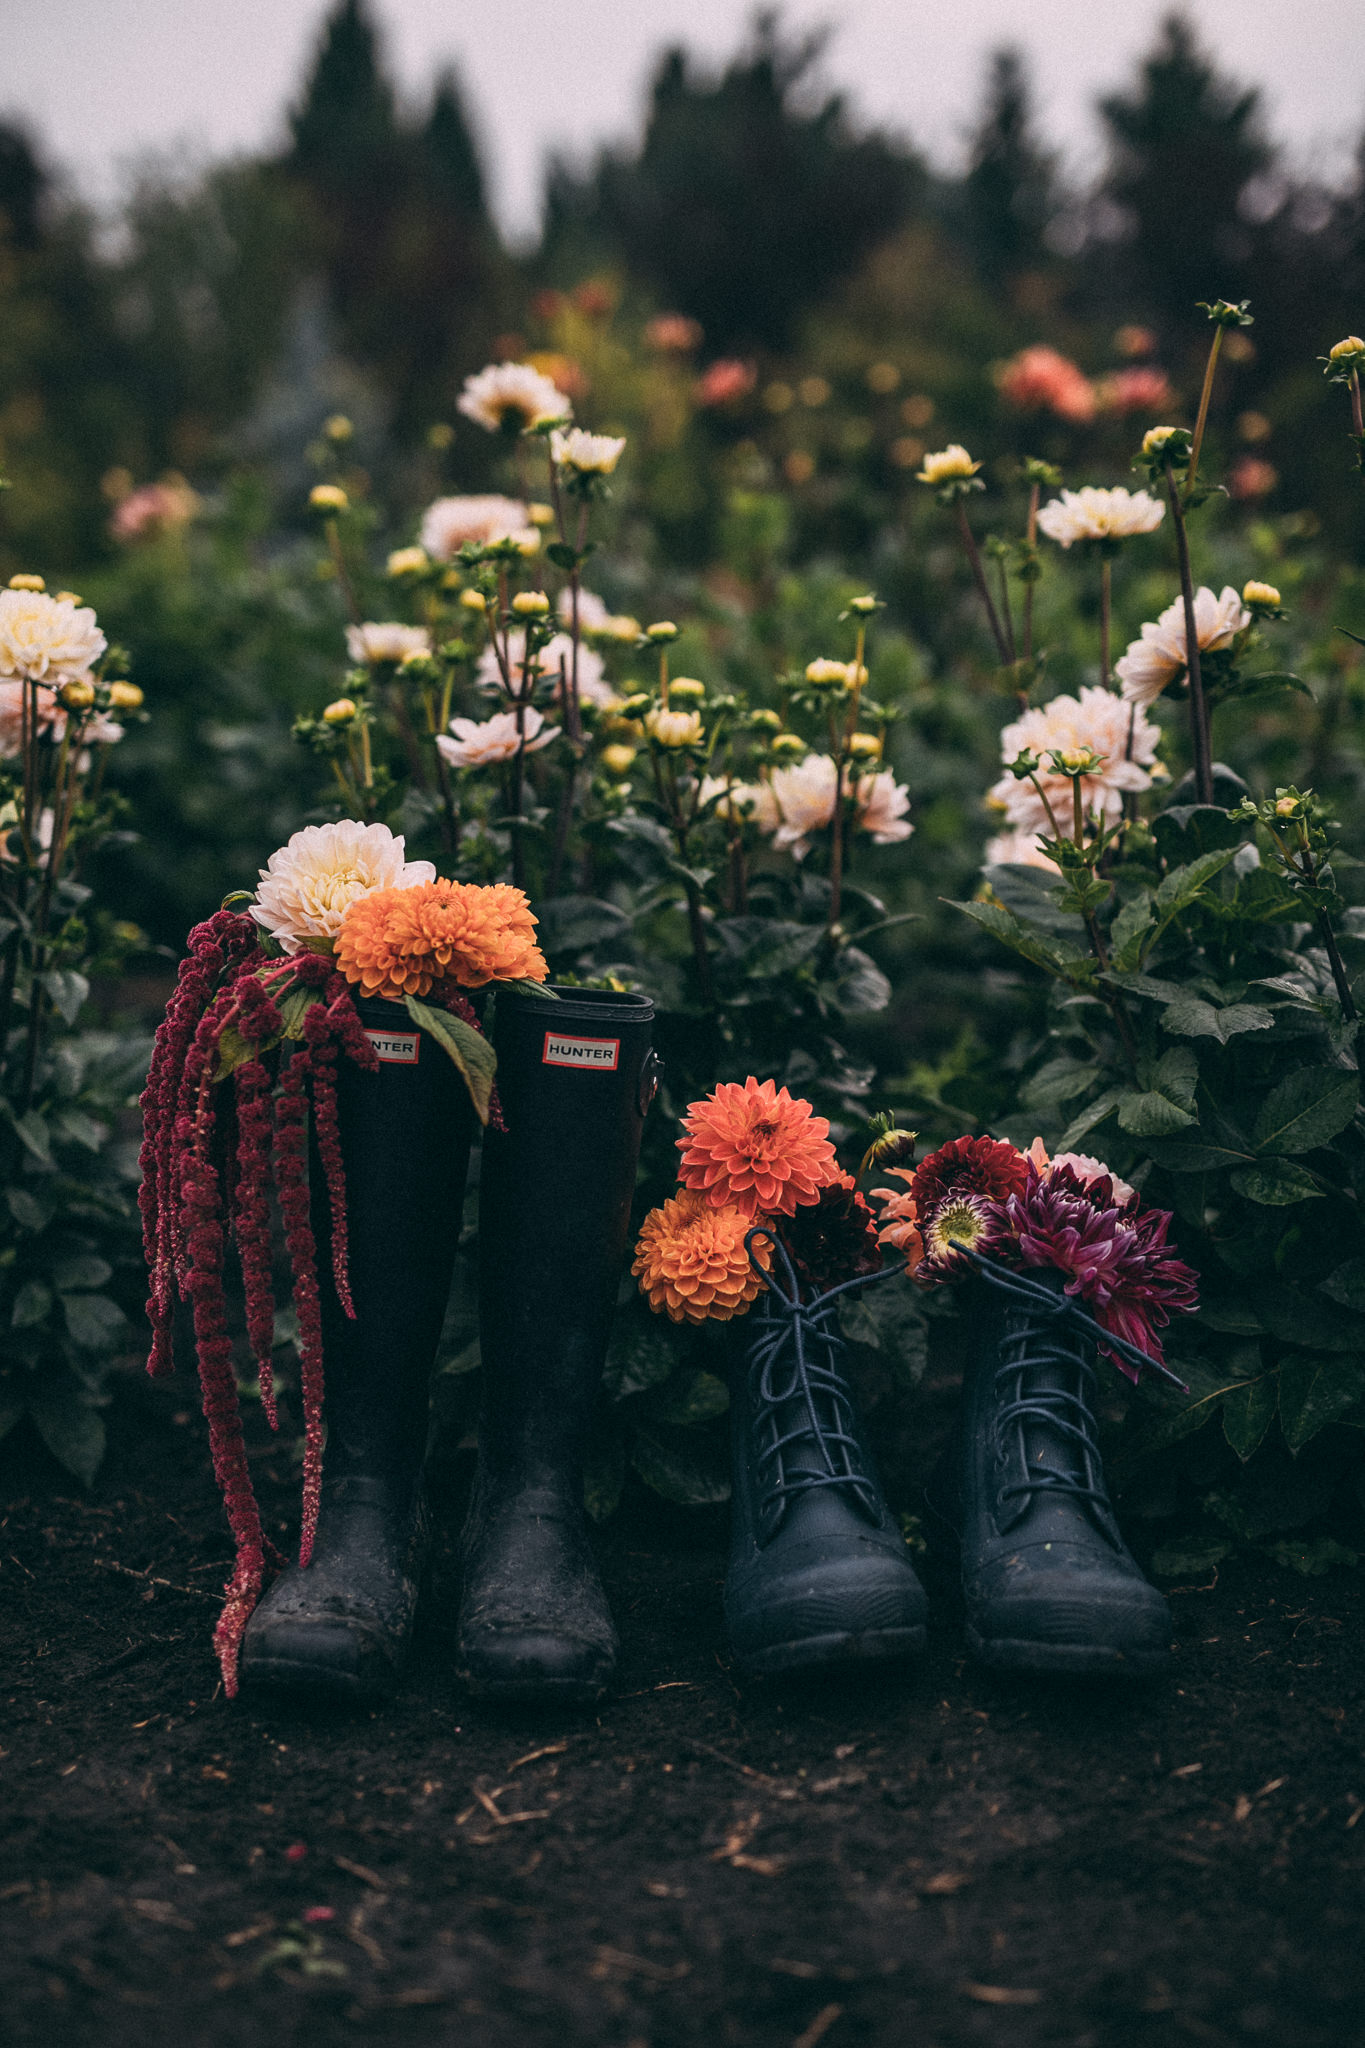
756, 1149
397, 942
691, 1260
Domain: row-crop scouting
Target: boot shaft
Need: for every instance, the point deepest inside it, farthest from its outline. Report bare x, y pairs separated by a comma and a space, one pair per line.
575, 1078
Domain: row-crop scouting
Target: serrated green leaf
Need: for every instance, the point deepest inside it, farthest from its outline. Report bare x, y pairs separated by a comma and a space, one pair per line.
1176, 1156
1315, 1391
1276, 1184
1307, 1109
1134, 920
1150, 1114
1059, 956
1248, 1410
1183, 885
1191, 1018
469, 1049
1082, 1125
1308, 1321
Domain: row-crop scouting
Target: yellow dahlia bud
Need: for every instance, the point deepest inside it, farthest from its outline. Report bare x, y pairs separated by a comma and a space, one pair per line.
27, 583
764, 721
674, 728
541, 515
408, 562
789, 746
661, 632
76, 696
125, 697
948, 466
328, 498
864, 746
68, 597
617, 759
473, 601
1260, 596
863, 605
633, 705
340, 712
823, 671
338, 427
1155, 439
531, 604
1348, 354
686, 690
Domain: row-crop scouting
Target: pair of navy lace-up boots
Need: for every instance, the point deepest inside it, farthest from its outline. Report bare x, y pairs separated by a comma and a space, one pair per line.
819, 1572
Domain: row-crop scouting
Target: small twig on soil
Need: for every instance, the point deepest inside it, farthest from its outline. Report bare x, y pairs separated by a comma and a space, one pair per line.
819, 2026
731, 1764
109, 1564
533, 1755
366, 1876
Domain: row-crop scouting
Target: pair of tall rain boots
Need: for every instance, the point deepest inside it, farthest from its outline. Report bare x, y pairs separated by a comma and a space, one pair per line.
818, 1572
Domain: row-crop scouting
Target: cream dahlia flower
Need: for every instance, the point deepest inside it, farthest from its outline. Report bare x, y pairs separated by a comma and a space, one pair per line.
512, 394
1097, 720
1016, 849
1158, 657
385, 640
586, 454
674, 728
483, 745
880, 805
555, 656
308, 885
948, 465
47, 639
453, 523
1092, 514
805, 795
595, 620
735, 800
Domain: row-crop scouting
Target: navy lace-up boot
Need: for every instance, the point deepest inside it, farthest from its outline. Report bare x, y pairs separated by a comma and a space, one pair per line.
342, 1626
818, 1570
1020, 1500
575, 1078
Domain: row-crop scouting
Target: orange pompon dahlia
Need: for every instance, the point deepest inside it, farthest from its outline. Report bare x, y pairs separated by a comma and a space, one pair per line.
756, 1149
691, 1260
397, 942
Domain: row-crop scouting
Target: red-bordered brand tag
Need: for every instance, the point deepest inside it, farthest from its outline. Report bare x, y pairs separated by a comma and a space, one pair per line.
598, 1055
396, 1048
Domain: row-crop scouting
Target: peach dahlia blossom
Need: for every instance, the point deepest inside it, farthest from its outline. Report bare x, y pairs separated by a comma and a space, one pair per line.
753, 1147
1158, 656
449, 524
692, 1263
400, 942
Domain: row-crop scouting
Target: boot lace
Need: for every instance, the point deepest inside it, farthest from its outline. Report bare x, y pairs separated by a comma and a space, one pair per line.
804, 1427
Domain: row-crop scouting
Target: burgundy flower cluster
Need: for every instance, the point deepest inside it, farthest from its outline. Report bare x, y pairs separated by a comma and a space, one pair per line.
210, 1150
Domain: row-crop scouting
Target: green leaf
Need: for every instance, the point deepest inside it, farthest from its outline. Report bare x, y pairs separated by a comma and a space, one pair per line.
26, 1209
71, 1428
1230, 1318
524, 987
1347, 1284
1307, 1109
562, 555
679, 1469
1315, 1391
1082, 1125
68, 991
79, 1269
1313, 1556
233, 1051
861, 988
293, 1007
1134, 920
31, 1304
1276, 1185
95, 1322
79, 1128
1305, 1320
1150, 1114
604, 1474
1177, 1156
689, 1396
1190, 1557
1059, 956
1273, 679
1183, 885
644, 1351
1248, 1410
889, 1319
468, 1048
1190, 1018
34, 1135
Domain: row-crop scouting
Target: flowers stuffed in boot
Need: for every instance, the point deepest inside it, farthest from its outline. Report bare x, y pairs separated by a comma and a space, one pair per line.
1068, 1264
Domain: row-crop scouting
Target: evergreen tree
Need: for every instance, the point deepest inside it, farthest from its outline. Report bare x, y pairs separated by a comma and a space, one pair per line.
455, 170
346, 119
23, 185
746, 201
1185, 145
1009, 190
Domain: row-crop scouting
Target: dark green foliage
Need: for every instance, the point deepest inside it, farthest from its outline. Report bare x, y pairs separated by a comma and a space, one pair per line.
1009, 192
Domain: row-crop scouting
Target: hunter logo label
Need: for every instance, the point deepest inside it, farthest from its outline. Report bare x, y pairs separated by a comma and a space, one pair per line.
563, 1051
396, 1048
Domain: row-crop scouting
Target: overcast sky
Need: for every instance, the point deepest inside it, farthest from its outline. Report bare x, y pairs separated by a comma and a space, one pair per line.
103, 81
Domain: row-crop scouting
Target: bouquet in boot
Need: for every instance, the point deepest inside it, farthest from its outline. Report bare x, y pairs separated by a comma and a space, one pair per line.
275, 989
766, 1220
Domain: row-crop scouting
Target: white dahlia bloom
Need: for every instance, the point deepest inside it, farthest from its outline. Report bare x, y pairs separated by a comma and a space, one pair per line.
752, 800
1016, 849
557, 653
385, 640
508, 394
587, 454
1093, 514
483, 744
674, 728
307, 887
453, 523
880, 807
47, 639
805, 796
1097, 719
1158, 656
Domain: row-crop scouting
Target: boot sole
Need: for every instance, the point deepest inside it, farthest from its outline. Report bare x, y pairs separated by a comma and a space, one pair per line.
1076, 1660
530, 1692
844, 1647
291, 1675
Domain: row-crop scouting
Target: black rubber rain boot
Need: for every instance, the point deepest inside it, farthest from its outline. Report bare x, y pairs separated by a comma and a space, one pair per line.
342, 1625
575, 1078
1020, 1502
818, 1570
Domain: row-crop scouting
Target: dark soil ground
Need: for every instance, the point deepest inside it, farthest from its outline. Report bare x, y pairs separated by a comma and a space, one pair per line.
927, 1857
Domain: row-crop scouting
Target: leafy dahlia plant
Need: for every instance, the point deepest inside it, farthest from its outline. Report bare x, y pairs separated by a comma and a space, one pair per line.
264, 1007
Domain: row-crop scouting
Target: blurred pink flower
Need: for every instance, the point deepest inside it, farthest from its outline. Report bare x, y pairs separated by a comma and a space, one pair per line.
1038, 379
1252, 477
1141, 389
882, 803
725, 382
673, 334
156, 508
497, 739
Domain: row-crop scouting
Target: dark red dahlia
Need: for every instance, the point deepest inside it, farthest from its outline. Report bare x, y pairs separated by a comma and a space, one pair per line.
1115, 1257
833, 1238
968, 1166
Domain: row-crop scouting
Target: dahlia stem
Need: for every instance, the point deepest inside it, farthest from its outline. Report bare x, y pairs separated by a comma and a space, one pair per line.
1106, 613
1200, 737
979, 578
1006, 609
1201, 420
1031, 539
